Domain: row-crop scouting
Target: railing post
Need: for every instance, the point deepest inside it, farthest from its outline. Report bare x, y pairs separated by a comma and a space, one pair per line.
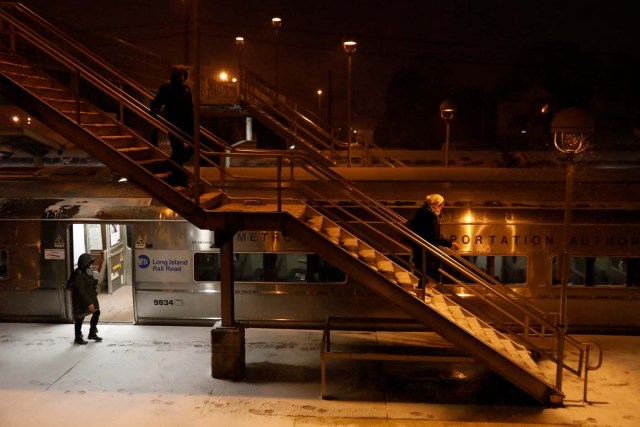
588, 368
121, 106
196, 97
560, 357
366, 150
586, 374
291, 169
223, 170
76, 90
423, 272
279, 183
12, 38
331, 146
295, 119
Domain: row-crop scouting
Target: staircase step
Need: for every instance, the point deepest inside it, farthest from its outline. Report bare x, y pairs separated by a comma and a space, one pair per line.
61, 104
350, 243
367, 255
86, 117
102, 129
7, 60
154, 165
120, 142
48, 91
163, 175
137, 153
315, 222
24, 78
210, 200
333, 234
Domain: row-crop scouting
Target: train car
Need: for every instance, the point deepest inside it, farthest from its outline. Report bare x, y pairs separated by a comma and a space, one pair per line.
168, 269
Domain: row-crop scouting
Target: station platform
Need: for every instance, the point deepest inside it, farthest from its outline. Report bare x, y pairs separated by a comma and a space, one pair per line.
161, 376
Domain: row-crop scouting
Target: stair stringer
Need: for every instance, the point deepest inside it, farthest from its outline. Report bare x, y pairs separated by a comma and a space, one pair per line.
423, 313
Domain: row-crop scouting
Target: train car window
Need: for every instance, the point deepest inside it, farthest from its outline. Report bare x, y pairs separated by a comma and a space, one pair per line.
4, 268
601, 271
206, 267
509, 269
288, 268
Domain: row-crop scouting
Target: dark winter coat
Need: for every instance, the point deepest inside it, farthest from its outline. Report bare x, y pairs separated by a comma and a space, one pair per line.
175, 98
426, 224
83, 288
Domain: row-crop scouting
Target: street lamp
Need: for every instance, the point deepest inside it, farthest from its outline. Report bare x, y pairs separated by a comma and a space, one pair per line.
572, 130
277, 23
447, 112
319, 105
239, 45
349, 47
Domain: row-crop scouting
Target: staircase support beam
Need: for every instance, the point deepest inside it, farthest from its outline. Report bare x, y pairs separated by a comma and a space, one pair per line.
224, 240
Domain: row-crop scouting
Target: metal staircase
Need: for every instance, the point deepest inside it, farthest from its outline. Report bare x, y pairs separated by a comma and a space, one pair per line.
437, 311
362, 242
98, 133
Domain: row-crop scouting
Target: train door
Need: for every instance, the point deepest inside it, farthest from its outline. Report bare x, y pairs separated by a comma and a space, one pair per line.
108, 245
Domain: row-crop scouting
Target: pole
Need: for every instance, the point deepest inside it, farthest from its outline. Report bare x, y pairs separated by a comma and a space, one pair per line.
196, 99
277, 67
227, 297
349, 109
564, 267
446, 144
330, 111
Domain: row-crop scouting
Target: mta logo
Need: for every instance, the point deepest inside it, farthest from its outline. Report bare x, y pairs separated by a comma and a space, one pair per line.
143, 261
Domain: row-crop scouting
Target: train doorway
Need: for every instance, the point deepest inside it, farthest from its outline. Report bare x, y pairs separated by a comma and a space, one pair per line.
110, 246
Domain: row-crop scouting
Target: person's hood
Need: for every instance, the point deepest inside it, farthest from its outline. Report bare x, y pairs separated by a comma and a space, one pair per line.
176, 71
84, 261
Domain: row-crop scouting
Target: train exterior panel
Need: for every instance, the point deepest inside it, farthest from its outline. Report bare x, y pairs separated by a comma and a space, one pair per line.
177, 277
172, 268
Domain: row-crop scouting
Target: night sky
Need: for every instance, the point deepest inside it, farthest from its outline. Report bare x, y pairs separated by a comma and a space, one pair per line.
475, 41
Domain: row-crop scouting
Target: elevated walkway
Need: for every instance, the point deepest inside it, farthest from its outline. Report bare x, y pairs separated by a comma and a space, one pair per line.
345, 237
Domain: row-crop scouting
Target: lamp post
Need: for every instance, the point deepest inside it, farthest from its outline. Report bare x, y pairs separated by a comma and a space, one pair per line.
447, 112
196, 96
277, 23
572, 130
239, 45
349, 47
319, 105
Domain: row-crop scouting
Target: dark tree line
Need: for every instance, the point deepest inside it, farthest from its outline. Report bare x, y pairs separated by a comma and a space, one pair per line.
608, 86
